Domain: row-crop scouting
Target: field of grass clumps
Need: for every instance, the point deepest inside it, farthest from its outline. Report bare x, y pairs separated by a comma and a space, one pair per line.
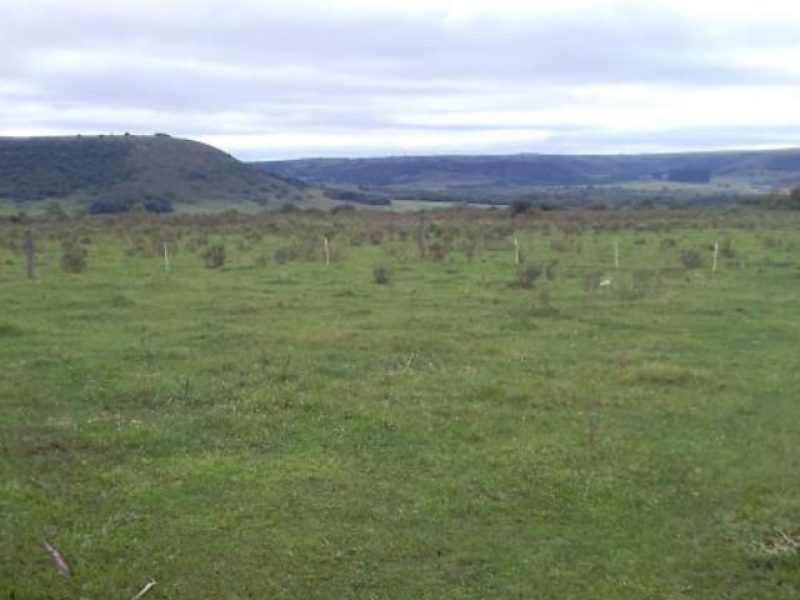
419, 408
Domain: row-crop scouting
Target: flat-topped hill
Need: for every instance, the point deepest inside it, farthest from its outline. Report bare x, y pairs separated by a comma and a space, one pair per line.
131, 169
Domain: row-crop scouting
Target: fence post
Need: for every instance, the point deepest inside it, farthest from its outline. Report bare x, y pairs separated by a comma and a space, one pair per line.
716, 257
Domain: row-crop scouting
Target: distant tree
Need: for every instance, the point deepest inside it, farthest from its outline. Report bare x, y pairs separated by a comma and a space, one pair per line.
546, 206
690, 175
782, 200
157, 205
106, 207
342, 208
519, 206
794, 198
55, 211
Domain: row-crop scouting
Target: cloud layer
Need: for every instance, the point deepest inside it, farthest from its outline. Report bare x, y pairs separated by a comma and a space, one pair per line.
275, 79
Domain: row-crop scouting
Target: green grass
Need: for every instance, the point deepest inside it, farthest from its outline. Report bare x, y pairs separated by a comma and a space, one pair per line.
294, 430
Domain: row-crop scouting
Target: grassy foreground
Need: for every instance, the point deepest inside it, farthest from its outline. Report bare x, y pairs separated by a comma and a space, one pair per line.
279, 428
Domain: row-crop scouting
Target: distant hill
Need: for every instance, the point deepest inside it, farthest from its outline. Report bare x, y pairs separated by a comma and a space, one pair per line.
681, 174
129, 169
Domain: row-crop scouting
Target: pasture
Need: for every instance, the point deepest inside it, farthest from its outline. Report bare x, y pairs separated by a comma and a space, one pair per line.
421, 418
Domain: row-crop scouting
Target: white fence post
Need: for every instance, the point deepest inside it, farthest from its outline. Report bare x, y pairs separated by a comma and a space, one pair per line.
716, 257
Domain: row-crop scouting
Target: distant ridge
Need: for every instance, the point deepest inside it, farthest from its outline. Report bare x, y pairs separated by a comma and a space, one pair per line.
726, 173
133, 168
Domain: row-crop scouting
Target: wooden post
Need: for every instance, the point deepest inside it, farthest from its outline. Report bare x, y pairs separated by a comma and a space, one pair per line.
29, 249
327, 251
166, 258
516, 251
716, 257
616, 255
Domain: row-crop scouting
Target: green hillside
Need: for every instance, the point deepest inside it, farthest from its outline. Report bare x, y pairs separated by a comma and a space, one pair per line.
132, 169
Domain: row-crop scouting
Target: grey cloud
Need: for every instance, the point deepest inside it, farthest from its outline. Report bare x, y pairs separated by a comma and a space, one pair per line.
212, 67
635, 45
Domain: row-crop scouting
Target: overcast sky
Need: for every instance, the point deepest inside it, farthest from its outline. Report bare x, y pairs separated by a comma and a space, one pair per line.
283, 79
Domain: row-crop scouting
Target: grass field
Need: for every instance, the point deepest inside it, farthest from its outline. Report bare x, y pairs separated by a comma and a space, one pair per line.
281, 428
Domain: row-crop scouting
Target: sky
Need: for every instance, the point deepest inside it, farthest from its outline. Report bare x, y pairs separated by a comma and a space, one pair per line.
278, 79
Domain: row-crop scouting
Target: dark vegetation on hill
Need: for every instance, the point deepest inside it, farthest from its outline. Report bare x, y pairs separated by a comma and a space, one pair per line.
710, 177
113, 173
110, 174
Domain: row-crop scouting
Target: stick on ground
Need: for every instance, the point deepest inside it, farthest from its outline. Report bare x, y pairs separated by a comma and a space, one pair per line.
61, 564
150, 584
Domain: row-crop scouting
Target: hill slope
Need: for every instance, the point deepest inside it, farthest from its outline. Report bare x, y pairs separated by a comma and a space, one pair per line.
130, 169
734, 172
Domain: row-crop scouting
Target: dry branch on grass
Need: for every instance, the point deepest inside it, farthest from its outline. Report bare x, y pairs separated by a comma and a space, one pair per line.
150, 585
61, 564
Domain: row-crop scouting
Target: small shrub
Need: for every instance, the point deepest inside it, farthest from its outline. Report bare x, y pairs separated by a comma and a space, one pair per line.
214, 256
8, 330
107, 207
642, 282
342, 209
138, 247
726, 249
772, 242
519, 207
551, 270
592, 281
382, 274
527, 275
691, 259
439, 250
73, 257
158, 206
544, 304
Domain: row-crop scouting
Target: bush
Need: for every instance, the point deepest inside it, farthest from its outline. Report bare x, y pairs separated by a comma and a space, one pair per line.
690, 175
519, 207
107, 207
544, 304
342, 208
726, 249
382, 274
527, 275
73, 257
592, 281
158, 206
794, 198
439, 250
642, 282
214, 256
691, 259
284, 255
